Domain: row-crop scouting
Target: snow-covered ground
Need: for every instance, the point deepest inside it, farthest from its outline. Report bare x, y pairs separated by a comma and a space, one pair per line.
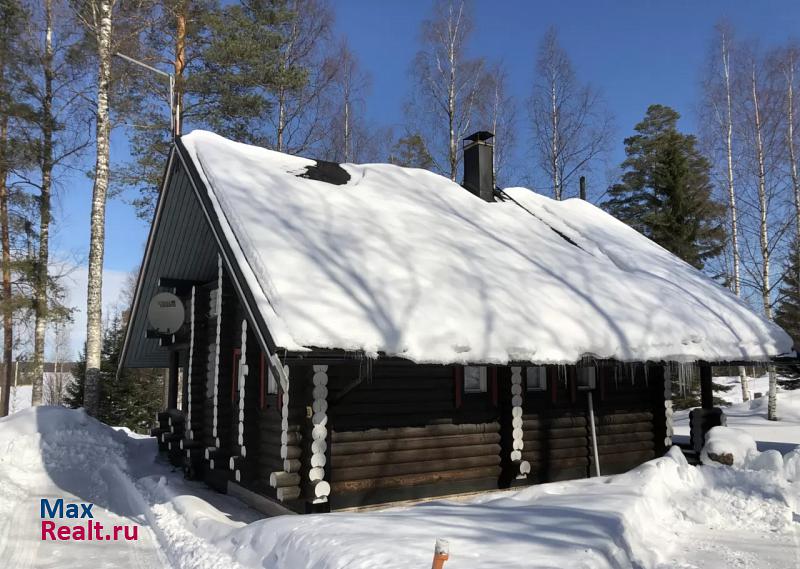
20, 397
664, 514
751, 416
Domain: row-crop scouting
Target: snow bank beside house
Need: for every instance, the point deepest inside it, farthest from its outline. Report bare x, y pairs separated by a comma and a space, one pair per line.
405, 262
751, 416
662, 514
648, 518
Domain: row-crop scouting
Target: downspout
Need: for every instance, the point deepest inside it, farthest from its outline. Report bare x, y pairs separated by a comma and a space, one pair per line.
594, 433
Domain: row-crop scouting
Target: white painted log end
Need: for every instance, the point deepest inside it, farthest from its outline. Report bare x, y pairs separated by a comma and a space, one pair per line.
322, 489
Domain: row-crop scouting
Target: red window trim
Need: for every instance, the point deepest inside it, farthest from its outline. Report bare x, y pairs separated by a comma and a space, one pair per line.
235, 379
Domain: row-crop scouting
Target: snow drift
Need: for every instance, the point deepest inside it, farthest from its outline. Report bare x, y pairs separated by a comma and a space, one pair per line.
405, 262
652, 517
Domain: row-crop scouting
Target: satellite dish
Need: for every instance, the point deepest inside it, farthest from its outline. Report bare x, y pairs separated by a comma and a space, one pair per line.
165, 313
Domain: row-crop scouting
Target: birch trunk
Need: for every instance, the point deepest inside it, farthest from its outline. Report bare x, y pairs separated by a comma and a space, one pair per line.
102, 28
793, 150
8, 324
43, 256
732, 208
772, 404
554, 140
451, 103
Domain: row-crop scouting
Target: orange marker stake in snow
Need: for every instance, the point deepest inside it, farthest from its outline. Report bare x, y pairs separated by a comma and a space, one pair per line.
441, 553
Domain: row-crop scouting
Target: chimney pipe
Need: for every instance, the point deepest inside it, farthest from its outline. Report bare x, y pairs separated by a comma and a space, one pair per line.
583, 188
479, 165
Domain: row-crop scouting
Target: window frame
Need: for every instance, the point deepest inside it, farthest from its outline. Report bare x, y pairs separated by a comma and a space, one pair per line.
482, 380
542, 384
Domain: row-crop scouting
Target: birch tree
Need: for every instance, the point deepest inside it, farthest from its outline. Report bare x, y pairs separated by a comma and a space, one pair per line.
571, 126
498, 115
788, 62
55, 92
447, 85
348, 135
305, 75
98, 18
762, 109
718, 103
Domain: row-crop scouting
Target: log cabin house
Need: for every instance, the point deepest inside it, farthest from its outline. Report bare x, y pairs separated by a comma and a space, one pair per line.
340, 336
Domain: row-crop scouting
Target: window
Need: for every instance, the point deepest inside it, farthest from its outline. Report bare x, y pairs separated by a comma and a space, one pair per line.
266, 381
474, 379
587, 377
536, 378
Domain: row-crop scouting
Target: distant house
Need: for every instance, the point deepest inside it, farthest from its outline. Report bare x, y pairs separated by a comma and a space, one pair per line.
362, 334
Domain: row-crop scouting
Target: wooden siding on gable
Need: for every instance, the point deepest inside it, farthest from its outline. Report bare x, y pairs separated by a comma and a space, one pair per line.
182, 247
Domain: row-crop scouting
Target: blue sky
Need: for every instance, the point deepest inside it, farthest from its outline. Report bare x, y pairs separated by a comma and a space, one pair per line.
637, 52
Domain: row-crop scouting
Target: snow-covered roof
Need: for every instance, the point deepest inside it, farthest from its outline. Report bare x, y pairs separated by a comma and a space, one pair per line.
405, 262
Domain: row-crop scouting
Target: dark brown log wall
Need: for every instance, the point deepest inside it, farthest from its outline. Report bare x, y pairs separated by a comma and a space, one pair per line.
399, 434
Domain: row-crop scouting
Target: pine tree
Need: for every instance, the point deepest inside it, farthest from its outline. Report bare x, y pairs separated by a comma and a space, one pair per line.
665, 192
410, 151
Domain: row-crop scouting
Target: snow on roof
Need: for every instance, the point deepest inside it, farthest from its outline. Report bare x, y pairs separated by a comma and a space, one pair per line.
405, 262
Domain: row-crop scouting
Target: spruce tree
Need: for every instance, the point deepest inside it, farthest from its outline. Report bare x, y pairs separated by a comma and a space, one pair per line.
787, 315
665, 191
410, 151
129, 399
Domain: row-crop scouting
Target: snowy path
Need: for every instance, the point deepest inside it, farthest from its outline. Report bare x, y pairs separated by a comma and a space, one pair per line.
21, 546
704, 548
56, 454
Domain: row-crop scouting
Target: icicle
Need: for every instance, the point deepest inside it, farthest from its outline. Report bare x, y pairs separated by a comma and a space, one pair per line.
646, 380
616, 376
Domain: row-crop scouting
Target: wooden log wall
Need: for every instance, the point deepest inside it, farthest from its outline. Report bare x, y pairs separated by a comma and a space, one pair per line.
194, 442
244, 410
398, 434
210, 339
555, 432
630, 416
226, 321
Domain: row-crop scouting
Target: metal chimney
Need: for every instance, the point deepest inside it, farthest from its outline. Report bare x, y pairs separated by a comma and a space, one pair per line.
479, 165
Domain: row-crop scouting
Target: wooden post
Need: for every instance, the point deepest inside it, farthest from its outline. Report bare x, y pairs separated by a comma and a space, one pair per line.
706, 386
172, 392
